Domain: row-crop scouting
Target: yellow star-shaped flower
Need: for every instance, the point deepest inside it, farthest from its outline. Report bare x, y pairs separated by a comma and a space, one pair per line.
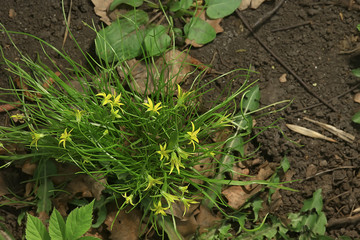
193, 135
151, 107
65, 137
152, 181
163, 152
159, 209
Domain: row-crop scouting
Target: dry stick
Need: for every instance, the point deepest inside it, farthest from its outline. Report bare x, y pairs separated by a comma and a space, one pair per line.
338, 222
329, 170
282, 62
291, 27
267, 16
336, 97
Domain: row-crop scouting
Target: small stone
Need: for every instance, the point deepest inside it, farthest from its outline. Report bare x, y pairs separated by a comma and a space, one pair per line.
12, 13
311, 170
323, 163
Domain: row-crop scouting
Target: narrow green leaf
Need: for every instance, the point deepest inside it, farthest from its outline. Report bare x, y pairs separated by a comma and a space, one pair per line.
356, 72
133, 3
79, 221
356, 117
315, 202
220, 8
156, 41
35, 229
123, 39
199, 31
56, 226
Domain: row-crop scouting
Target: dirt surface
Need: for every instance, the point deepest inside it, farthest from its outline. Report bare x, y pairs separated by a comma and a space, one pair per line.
312, 51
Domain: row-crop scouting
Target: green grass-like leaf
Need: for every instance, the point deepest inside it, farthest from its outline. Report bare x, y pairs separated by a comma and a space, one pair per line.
79, 221
35, 229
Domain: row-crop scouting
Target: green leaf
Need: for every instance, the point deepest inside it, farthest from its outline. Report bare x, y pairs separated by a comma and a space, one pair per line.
199, 31
356, 72
156, 41
296, 221
123, 39
133, 3
251, 99
180, 5
35, 229
358, 27
88, 238
256, 206
285, 164
320, 225
56, 226
79, 221
315, 202
220, 8
237, 144
44, 193
356, 117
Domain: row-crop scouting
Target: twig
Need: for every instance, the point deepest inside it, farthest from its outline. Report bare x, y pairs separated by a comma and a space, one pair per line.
336, 97
338, 222
283, 63
291, 27
327, 171
267, 16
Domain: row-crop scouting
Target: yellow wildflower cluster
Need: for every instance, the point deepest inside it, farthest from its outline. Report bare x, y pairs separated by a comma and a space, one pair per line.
151, 107
114, 101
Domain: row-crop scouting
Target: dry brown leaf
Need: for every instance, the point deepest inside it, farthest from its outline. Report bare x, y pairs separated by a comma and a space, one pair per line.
340, 133
29, 168
174, 66
254, 4
357, 98
101, 8
206, 219
125, 226
307, 132
178, 208
187, 228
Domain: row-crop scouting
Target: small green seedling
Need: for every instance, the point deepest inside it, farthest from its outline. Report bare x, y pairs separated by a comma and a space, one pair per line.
76, 225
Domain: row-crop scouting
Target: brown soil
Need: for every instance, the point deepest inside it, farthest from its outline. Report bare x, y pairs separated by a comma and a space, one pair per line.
311, 50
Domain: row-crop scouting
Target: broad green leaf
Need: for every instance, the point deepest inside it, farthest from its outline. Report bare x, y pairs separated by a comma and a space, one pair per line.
44, 192
256, 206
356, 72
251, 99
220, 8
180, 5
133, 3
199, 31
35, 229
156, 41
320, 225
296, 221
236, 144
356, 118
56, 226
79, 221
315, 202
123, 39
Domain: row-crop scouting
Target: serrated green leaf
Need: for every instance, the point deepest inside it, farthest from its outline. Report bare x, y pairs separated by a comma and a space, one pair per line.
356, 72
133, 3
56, 226
180, 5
315, 202
256, 206
123, 39
285, 165
251, 99
356, 118
199, 31
156, 41
220, 8
35, 229
79, 221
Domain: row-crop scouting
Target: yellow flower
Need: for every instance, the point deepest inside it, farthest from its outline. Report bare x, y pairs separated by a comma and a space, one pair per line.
193, 135
65, 137
163, 152
78, 114
151, 107
181, 96
117, 102
159, 209
114, 114
169, 198
18, 117
152, 182
106, 98
187, 203
128, 199
184, 189
175, 161
35, 138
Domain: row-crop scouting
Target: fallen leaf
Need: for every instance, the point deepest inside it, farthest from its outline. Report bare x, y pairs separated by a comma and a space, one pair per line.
282, 78
307, 132
357, 98
187, 228
340, 133
205, 219
101, 8
254, 4
174, 66
28, 168
123, 224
